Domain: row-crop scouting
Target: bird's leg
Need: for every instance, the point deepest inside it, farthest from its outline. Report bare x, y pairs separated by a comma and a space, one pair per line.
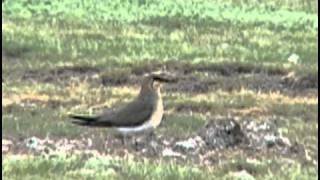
128, 140
124, 140
151, 140
151, 136
136, 143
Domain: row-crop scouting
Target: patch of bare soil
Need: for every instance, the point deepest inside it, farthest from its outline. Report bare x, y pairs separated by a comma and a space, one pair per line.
225, 69
194, 108
293, 86
213, 143
248, 135
200, 78
191, 84
60, 74
301, 82
118, 77
230, 76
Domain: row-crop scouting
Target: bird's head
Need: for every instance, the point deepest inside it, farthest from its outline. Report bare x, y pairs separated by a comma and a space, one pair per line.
153, 81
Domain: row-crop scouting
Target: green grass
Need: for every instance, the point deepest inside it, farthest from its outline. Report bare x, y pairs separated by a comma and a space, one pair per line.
97, 167
124, 42
83, 56
226, 33
86, 167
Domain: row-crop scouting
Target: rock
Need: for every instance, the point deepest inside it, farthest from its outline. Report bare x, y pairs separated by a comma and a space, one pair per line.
283, 141
6, 145
294, 58
256, 135
222, 133
5, 149
270, 140
166, 143
6, 142
32, 142
167, 152
187, 145
154, 144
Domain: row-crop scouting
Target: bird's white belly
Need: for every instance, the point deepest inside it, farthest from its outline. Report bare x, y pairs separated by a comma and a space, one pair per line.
136, 129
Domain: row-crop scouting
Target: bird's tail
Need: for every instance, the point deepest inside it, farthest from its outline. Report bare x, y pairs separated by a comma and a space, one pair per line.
83, 120
89, 121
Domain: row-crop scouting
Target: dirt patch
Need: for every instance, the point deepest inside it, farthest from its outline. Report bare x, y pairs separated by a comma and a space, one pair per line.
248, 135
117, 77
218, 138
191, 84
60, 74
301, 82
258, 82
74, 70
229, 77
199, 78
141, 69
225, 69
52, 104
253, 134
222, 134
193, 108
230, 69
114, 77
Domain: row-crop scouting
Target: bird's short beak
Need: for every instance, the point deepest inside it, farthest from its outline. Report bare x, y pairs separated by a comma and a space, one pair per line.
165, 77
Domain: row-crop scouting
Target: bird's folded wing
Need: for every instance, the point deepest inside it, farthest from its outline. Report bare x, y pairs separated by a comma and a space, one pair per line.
133, 114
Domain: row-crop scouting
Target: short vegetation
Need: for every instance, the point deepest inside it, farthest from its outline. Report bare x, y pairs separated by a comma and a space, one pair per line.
248, 60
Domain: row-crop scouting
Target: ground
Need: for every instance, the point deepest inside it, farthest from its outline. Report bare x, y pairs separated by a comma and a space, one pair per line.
248, 78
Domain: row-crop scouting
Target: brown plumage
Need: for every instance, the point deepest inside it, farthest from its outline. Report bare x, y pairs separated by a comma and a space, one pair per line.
143, 113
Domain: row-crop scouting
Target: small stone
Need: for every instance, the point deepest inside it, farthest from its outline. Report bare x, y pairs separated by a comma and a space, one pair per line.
308, 157
314, 162
167, 152
154, 145
166, 143
270, 140
294, 58
189, 144
32, 142
199, 140
6, 142
89, 142
5, 149
284, 141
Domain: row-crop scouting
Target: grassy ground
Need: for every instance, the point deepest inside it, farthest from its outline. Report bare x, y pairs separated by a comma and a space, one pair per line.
232, 55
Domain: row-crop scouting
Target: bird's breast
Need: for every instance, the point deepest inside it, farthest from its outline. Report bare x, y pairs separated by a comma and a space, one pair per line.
149, 125
157, 114
153, 121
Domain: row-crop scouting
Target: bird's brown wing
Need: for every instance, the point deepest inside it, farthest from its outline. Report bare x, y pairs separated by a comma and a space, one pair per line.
133, 114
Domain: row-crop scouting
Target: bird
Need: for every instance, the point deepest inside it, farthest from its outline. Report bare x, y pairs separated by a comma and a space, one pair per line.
140, 116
